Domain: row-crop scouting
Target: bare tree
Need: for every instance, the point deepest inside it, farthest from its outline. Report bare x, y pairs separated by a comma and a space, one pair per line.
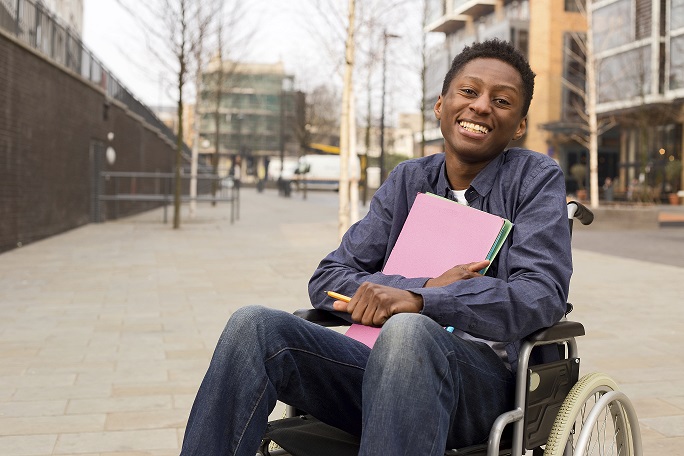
199, 59
423, 76
217, 105
179, 15
182, 27
372, 18
317, 120
346, 138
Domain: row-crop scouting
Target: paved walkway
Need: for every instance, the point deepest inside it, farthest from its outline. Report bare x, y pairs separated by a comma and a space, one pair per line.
106, 330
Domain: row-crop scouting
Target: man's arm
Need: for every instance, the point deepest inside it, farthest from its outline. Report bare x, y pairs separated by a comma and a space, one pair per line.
364, 249
373, 303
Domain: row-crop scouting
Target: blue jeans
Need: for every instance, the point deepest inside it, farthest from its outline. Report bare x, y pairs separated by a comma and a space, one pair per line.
419, 391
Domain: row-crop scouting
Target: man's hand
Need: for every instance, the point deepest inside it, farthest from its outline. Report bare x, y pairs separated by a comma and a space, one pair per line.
460, 272
373, 304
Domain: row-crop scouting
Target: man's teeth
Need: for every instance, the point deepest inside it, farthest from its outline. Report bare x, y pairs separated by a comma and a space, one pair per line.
474, 127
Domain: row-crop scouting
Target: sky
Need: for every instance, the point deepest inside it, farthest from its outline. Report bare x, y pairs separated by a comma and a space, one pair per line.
288, 31
119, 42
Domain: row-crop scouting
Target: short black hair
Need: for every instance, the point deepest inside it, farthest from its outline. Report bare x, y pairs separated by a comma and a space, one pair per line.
500, 50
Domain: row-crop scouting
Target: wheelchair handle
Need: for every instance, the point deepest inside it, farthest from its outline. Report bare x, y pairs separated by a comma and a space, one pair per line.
580, 212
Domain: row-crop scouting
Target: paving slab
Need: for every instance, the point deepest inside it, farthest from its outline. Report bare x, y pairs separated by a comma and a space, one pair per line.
107, 329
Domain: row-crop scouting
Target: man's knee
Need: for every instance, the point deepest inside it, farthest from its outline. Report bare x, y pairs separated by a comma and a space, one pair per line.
248, 314
406, 339
245, 323
406, 328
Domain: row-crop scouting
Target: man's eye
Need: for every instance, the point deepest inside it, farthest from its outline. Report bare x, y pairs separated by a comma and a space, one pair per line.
502, 101
468, 91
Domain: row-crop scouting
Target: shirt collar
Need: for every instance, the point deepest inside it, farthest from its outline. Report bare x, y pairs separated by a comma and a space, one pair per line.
482, 184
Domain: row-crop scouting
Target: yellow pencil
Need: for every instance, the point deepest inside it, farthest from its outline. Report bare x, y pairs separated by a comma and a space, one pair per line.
339, 297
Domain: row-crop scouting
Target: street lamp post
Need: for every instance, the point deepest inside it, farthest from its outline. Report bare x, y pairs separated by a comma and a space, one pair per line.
385, 37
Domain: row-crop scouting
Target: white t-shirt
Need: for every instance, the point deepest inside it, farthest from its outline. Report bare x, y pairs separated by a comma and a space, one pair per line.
459, 195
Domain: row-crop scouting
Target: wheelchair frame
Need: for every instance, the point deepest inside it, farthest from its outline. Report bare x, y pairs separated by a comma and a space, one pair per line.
538, 419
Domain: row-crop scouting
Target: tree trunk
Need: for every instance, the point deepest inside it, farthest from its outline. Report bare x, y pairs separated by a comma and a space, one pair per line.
591, 112
345, 124
179, 148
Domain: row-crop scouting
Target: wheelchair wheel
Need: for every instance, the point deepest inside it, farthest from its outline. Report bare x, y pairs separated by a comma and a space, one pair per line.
590, 424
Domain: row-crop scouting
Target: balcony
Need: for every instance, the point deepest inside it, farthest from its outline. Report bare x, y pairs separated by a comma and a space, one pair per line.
448, 23
473, 8
459, 12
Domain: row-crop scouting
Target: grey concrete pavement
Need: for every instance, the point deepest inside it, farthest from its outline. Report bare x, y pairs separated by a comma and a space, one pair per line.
107, 330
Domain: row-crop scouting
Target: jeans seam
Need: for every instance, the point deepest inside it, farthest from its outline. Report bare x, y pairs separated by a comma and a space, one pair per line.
249, 419
441, 384
269, 358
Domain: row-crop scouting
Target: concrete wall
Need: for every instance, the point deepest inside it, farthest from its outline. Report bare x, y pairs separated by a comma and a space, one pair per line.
53, 133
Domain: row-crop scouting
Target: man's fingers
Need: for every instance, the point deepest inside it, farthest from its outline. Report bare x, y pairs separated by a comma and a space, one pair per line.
340, 306
477, 266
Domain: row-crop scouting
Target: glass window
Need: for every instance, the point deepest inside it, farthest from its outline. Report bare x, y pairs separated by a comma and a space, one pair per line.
677, 62
435, 10
573, 7
573, 73
437, 66
520, 39
676, 14
625, 75
643, 19
613, 25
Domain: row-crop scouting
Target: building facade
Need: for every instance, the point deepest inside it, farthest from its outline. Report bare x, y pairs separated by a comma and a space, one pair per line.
70, 12
541, 30
639, 62
251, 117
639, 54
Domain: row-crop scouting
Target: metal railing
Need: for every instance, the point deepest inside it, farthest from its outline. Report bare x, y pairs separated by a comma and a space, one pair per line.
33, 25
156, 187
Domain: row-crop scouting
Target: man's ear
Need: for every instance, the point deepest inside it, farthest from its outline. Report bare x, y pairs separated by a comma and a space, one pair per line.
438, 108
522, 128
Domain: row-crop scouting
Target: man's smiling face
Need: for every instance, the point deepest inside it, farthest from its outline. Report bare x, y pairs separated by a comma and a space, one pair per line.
481, 112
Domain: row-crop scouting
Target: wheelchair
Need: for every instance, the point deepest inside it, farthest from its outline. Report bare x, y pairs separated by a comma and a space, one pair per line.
555, 412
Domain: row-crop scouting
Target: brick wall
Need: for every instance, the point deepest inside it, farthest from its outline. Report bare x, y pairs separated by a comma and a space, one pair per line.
50, 122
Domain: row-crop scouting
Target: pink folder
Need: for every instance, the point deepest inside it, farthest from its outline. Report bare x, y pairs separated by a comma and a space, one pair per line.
437, 235
363, 333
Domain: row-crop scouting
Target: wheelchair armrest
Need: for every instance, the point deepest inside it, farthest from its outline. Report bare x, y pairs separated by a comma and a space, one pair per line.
322, 317
562, 330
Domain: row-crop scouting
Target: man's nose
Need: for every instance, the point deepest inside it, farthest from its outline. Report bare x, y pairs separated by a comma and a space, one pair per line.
481, 104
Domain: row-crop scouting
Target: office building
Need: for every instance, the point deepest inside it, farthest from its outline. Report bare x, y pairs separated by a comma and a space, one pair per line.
639, 52
257, 113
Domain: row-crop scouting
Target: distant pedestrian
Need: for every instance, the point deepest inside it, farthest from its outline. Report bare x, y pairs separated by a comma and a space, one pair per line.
608, 189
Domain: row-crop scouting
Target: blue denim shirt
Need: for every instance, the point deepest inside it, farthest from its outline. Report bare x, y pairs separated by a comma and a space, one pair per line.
526, 286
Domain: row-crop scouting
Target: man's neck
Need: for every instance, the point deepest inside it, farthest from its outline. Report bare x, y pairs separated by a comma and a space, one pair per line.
460, 174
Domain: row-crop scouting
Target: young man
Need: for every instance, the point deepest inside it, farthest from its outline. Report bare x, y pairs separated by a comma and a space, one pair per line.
421, 389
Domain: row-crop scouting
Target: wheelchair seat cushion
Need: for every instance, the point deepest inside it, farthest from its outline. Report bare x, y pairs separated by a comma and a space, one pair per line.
306, 436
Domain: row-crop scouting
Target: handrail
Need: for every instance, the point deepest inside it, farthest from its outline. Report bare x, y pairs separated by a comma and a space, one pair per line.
158, 187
